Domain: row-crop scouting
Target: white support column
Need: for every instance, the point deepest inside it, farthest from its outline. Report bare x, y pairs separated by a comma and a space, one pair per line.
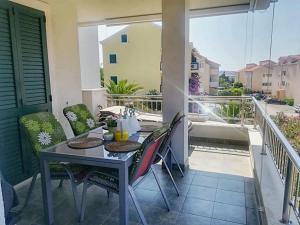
175, 58
89, 57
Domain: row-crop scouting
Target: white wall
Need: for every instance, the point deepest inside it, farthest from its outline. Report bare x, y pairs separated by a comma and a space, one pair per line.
89, 57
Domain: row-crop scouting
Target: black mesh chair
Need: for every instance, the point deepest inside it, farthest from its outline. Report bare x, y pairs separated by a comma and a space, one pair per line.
166, 148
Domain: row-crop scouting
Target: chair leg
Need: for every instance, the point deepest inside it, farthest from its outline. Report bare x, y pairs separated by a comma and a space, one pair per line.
29, 193
61, 183
83, 201
170, 174
75, 196
177, 163
108, 193
161, 190
137, 206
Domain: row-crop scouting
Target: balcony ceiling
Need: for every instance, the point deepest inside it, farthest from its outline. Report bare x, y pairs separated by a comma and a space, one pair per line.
120, 11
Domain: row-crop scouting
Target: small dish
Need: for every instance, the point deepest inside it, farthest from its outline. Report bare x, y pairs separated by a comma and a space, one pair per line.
108, 136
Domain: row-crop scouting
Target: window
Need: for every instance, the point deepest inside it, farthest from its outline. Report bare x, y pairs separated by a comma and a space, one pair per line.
124, 38
194, 59
112, 58
114, 79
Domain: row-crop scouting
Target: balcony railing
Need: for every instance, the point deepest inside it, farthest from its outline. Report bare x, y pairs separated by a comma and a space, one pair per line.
240, 109
285, 157
233, 109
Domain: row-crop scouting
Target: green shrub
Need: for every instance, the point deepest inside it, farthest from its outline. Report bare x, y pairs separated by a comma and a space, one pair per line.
290, 127
230, 92
289, 101
237, 85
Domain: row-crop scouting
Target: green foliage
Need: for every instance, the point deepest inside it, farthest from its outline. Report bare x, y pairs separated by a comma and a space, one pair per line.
231, 92
290, 127
122, 87
247, 91
289, 101
237, 85
153, 92
102, 76
224, 81
231, 110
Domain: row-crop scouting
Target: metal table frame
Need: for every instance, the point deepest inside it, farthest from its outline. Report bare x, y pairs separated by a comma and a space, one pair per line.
121, 165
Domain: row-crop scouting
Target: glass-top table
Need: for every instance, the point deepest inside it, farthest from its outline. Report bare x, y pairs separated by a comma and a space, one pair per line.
97, 156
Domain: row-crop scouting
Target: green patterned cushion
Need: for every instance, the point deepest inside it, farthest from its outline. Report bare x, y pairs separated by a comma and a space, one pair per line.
80, 118
43, 130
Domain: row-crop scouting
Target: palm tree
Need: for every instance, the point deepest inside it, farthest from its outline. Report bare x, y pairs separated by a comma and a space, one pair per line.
122, 87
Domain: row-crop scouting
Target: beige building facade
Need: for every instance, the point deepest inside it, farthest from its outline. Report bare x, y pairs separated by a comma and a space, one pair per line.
280, 80
134, 54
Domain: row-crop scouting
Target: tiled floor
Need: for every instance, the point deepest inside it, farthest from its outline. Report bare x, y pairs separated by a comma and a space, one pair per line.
218, 189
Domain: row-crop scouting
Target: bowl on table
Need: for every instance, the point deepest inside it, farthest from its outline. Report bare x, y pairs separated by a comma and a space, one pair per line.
108, 136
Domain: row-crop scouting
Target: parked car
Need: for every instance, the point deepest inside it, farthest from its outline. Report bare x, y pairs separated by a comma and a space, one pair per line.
270, 100
297, 108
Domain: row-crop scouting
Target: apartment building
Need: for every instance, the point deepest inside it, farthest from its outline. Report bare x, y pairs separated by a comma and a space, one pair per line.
278, 79
231, 75
134, 53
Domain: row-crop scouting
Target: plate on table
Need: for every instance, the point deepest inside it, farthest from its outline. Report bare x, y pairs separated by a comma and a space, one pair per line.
85, 142
122, 146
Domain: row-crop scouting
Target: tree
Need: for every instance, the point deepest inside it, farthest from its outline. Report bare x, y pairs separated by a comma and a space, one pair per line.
102, 76
237, 85
122, 87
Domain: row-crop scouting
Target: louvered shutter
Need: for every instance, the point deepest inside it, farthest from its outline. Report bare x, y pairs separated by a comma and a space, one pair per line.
24, 85
30, 33
11, 159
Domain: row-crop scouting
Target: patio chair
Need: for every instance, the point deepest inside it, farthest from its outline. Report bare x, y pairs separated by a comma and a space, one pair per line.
44, 131
166, 148
80, 119
142, 165
10, 201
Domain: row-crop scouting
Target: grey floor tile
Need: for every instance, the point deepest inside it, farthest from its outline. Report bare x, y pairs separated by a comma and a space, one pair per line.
252, 217
230, 197
231, 185
229, 213
146, 196
208, 174
232, 177
189, 219
198, 207
205, 181
250, 201
249, 187
222, 222
201, 192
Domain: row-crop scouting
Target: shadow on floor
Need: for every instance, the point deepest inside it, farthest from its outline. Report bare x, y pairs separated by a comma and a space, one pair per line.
207, 198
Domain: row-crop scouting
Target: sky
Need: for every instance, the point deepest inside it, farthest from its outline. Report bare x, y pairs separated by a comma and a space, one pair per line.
234, 40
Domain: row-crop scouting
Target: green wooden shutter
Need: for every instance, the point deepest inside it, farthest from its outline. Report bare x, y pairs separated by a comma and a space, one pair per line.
11, 157
24, 84
31, 37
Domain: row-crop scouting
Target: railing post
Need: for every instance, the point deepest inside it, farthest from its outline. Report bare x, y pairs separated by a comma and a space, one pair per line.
287, 193
264, 131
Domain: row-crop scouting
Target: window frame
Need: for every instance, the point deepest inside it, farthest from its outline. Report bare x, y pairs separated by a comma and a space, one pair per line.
114, 76
110, 58
124, 42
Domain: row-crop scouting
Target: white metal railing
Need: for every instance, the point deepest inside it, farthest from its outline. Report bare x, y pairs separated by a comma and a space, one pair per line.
285, 158
232, 109
242, 109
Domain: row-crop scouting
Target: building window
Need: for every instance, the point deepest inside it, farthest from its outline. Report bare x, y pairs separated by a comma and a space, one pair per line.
267, 84
114, 79
124, 38
112, 58
194, 59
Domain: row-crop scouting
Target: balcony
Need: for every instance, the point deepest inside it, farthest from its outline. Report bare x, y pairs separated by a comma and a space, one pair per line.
218, 188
